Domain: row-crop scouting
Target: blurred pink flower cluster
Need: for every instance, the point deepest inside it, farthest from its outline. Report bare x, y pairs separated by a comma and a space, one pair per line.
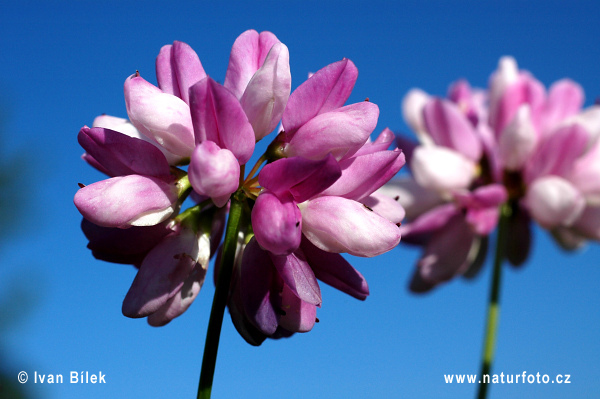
517, 143
190, 137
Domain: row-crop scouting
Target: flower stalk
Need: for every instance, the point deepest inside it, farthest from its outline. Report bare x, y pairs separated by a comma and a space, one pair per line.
215, 322
493, 314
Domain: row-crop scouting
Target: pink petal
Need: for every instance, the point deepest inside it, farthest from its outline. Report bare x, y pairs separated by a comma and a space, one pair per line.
448, 127
219, 117
553, 202
412, 110
127, 200
381, 143
177, 69
162, 117
326, 90
557, 153
362, 175
267, 93
213, 171
385, 206
565, 99
527, 90
298, 276
518, 140
336, 224
341, 132
277, 223
181, 301
441, 169
300, 316
248, 54
414, 198
162, 274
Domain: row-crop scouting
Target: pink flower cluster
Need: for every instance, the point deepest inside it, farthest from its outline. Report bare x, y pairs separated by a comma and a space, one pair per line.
515, 143
313, 200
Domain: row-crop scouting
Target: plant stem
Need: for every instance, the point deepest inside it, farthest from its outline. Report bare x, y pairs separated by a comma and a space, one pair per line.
494, 303
215, 322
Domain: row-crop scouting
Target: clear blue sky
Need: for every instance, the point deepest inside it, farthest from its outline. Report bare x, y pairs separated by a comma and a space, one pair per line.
63, 63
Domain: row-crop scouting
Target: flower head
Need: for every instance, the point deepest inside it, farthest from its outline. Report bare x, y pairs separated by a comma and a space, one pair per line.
514, 143
188, 140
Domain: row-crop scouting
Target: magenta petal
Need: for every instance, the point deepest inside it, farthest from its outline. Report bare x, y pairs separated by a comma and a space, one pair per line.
125, 127
127, 200
162, 274
162, 117
177, 69
326, 90
219, 117
181, 301
123, 155
213, 171
362, 175
303, 178
334, 270
558, 152
449, 127
298, 276
256, 278
341, 132
247, 55
277, 223
299, 316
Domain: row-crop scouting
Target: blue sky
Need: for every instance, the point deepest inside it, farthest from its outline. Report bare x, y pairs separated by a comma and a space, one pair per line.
63, 63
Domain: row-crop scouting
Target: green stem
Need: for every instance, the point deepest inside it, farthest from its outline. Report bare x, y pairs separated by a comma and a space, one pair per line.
494, 303
215, 322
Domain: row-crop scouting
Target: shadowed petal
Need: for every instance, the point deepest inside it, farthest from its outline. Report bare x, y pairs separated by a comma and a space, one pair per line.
334, 270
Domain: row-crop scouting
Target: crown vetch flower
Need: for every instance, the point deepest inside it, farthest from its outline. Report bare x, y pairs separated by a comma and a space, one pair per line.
524, 146
314, 199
